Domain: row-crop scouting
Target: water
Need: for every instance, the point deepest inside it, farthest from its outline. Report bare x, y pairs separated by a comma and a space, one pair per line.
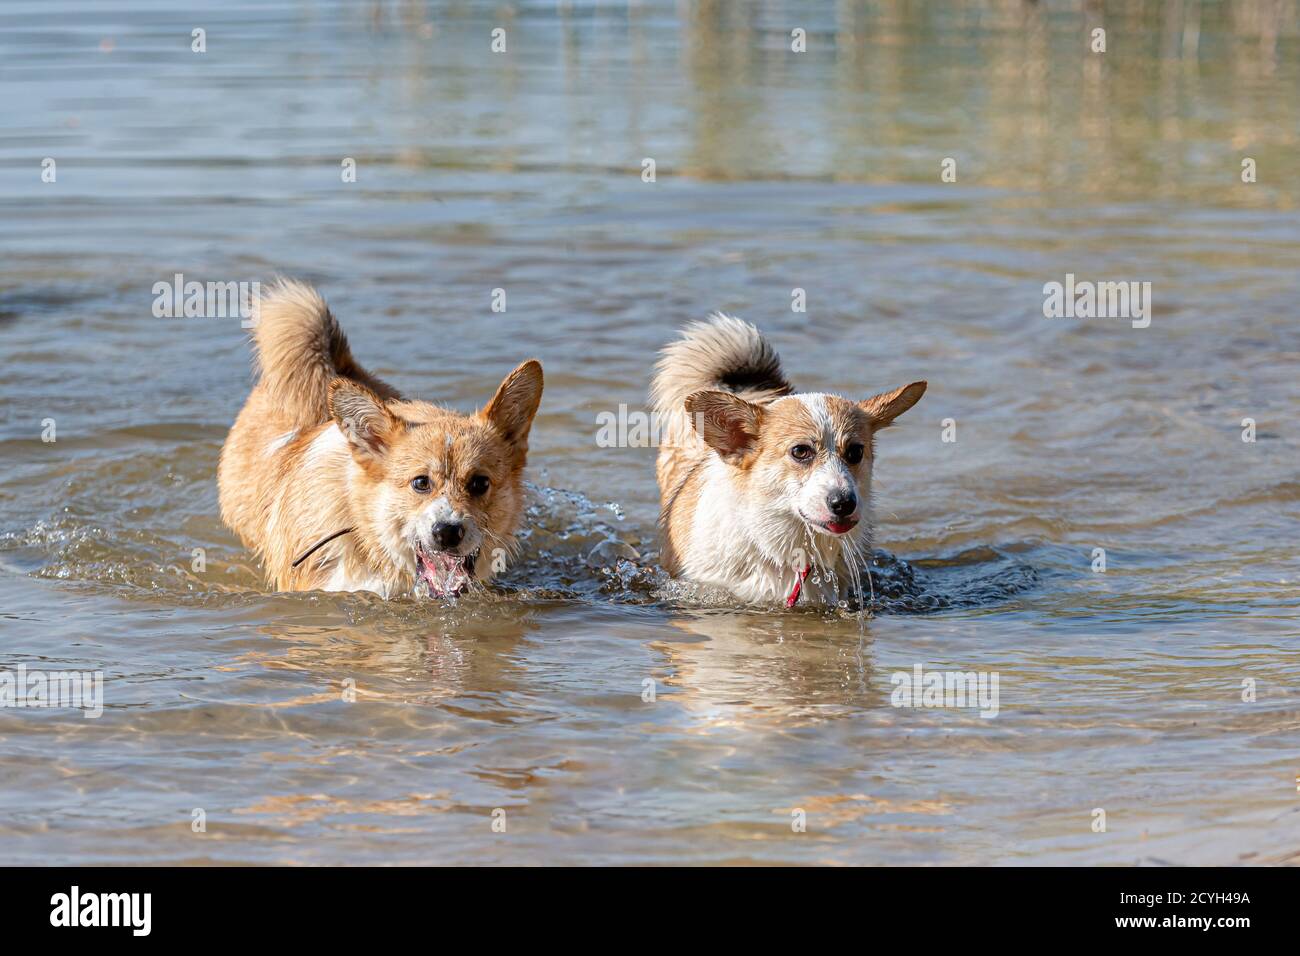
1119, 690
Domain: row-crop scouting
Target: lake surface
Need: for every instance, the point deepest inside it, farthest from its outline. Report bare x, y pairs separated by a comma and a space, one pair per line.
1164, 691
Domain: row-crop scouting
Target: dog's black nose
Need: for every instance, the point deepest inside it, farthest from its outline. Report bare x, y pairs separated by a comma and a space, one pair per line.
842, 503
448, 534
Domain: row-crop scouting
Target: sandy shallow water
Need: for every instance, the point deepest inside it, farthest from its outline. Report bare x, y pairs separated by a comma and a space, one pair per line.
1120, 690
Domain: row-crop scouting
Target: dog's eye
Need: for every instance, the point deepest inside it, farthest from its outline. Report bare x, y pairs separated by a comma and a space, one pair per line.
853, 454
421, 484
478, 485
802, 452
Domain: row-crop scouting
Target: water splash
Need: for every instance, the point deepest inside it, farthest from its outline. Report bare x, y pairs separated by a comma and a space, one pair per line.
571, 548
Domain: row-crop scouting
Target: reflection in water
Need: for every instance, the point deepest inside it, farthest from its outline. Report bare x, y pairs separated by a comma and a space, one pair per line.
409, 656
749, 671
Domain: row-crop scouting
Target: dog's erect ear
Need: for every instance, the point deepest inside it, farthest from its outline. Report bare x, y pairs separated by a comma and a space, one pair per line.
887, 406
515, 404
368, 426
728, 424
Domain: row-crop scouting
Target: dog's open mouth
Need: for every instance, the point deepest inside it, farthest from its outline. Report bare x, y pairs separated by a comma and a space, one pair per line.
447, 574
832, 527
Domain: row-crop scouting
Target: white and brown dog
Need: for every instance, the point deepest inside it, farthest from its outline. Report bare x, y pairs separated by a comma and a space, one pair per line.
758, 485
339, 484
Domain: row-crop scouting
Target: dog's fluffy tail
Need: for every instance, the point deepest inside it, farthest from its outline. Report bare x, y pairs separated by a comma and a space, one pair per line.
299, 349
723, 353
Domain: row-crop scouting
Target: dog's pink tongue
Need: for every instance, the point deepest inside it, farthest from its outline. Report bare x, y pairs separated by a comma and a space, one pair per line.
444, 573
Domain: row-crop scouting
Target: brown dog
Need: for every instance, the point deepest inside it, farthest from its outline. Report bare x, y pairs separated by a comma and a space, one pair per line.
759, 485
322, 446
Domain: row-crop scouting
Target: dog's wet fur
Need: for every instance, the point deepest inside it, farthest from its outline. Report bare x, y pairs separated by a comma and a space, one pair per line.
433, 497
760, 485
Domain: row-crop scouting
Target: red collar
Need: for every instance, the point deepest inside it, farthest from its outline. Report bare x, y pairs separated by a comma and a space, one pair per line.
798, 586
